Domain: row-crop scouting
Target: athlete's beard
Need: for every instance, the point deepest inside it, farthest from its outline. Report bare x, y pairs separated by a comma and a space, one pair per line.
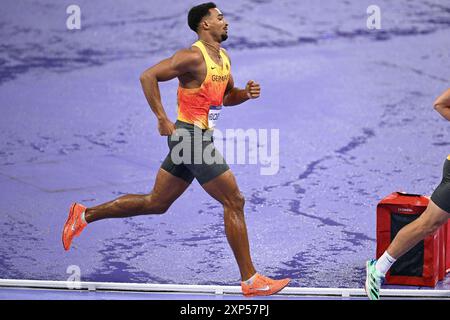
223, 37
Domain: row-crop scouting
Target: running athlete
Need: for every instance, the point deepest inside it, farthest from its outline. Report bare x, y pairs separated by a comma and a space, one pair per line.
435, 215
205, 84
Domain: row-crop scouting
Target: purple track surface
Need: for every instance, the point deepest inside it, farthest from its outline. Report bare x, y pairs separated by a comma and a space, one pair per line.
354, 109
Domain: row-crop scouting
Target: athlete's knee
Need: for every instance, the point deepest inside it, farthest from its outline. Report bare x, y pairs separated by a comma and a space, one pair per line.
161, 209
240, 200
428, 227
235, 202
156, 205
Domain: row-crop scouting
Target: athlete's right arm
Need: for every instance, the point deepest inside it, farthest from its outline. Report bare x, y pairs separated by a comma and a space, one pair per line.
442, 104
182, 62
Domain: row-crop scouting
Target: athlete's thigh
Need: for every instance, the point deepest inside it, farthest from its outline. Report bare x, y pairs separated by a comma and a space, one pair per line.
168, 187
172, 179
441, 195
223, 188
208, 163
434, 215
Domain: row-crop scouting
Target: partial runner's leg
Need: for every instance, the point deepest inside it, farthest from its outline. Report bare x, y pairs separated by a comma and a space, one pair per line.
166, 190
436, 214
171, 181
411, 234
225, 190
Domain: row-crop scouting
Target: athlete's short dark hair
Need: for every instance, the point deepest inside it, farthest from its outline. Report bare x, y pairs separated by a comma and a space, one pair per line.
197, 13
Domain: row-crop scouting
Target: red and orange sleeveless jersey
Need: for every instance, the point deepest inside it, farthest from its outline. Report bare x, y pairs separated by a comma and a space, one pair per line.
201, 106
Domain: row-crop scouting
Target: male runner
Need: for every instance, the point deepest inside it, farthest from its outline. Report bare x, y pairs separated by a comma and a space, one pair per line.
205, 84
435, 215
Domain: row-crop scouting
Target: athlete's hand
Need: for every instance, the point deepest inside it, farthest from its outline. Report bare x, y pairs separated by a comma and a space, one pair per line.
253, 89
166, 127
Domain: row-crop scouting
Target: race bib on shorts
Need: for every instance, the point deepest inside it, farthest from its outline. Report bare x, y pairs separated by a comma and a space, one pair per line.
213, 115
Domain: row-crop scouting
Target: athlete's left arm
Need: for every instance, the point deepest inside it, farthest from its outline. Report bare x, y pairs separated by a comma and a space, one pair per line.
442, 104
234, 96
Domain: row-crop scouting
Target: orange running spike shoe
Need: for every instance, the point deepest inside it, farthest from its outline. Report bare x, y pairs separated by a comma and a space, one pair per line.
74, 225
263, 286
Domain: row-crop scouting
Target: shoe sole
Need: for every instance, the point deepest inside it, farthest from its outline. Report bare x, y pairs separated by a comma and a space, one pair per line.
264, 292
69, 219
366, 284
367, 280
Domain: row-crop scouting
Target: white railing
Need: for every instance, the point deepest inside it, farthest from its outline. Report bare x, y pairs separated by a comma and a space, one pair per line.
213, 289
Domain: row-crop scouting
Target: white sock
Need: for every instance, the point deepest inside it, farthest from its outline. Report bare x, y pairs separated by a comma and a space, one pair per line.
384, 263
250, 281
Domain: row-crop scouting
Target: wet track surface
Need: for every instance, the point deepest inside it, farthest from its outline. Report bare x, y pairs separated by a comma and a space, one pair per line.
353, 106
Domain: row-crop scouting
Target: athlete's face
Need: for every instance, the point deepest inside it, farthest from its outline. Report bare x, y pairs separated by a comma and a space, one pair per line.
218, 24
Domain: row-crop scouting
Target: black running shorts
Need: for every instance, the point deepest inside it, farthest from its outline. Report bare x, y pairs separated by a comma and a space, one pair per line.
192, 154
441, 196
